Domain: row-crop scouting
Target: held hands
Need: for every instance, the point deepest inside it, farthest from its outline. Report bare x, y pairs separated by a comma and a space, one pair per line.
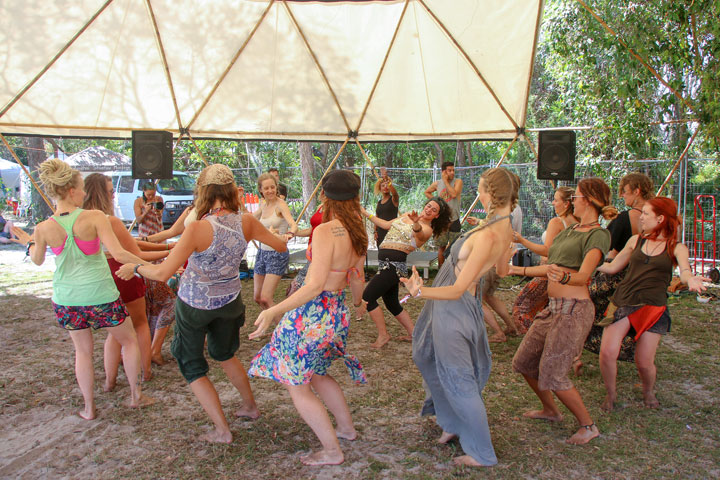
413, 283
126, 272
361, 310
262, 323
555, 273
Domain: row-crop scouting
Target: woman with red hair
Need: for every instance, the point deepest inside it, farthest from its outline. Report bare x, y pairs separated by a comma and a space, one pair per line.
640, 301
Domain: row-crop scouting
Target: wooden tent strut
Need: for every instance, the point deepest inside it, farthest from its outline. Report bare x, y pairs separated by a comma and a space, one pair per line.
32, 180
632, 52
472, 64
382, 66
507, 150
317, 64
367, 159
54, 59
166, 67
677, 164
230, 65
317, 187
538, 21
202, 157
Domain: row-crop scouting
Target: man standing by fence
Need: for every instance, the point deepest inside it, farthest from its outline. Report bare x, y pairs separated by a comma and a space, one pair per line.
449, 189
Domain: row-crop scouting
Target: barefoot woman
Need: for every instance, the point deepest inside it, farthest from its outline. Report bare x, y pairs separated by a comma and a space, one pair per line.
84, 294
450, 345
641, 298
405, 234
314, 330
557, 334
208, 303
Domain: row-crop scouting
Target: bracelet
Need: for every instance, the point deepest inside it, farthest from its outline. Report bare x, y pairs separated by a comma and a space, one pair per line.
370, 215
419, 293
565, 279
524, 272
357, 305
167, 245
418, 230
144, 238
135, 270
27, 249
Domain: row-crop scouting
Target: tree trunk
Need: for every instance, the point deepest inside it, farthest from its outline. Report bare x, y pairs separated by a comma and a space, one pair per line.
36, 155
468, 153
389, 154
440, 154
307, 165
460, 154
251, 150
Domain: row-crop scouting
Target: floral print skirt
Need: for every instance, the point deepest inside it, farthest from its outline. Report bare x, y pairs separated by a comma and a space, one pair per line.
306, 341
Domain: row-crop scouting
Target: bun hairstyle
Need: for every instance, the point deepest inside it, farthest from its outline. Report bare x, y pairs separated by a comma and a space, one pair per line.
597, 193
566, 194
58, 178
96, 195
503, 187
262, 178
668, 228
641, 181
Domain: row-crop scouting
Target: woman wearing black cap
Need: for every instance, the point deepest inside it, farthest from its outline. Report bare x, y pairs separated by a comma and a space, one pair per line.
313, 331
405, 234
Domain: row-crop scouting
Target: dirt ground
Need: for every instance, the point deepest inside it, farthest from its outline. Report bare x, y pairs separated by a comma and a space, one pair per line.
42, 438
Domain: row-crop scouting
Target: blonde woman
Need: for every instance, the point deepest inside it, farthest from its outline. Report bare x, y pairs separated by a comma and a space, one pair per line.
84, 293
450, 344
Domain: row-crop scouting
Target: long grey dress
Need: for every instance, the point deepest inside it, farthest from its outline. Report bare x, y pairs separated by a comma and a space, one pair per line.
451, 350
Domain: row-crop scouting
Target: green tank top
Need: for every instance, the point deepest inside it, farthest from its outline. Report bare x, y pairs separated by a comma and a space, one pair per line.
79, 279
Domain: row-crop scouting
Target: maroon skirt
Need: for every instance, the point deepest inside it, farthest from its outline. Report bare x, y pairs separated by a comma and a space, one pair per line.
129, 289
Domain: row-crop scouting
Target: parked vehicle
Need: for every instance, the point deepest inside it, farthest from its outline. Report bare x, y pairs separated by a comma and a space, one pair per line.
177, 194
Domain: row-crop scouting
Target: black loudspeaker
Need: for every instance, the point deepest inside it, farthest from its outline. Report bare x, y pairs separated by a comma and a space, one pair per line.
556, 160
152, 154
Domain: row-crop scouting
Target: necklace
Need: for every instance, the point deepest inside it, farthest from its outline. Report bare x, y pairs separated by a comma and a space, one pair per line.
653, 252
216, 210
591, 224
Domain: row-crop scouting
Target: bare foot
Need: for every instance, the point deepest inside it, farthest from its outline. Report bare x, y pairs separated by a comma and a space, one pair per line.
609, 404
650, 400
577, 367
381, 341
216, 437
584, 435
143, 401
147, 377
323, 457
404, 338
511, 332
467, 460
543, 415
497, 338
157, 359
248, 412
350, 434
109, 386
87, 414
446, 437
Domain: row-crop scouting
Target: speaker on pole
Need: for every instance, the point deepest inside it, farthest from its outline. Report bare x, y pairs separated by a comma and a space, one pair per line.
152, 154
556, 158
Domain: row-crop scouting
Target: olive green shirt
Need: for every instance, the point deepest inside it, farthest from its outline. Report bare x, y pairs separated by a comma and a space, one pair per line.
570, 246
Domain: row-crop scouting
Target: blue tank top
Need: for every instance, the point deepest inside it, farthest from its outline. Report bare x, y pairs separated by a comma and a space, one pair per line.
211, 279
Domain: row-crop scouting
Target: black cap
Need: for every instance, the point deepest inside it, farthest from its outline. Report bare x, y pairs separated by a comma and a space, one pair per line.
341, 185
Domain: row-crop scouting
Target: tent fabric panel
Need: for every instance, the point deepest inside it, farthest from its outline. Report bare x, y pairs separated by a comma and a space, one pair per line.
30, 36
198, 45
498, 37
112, 75
275, 86
350, 41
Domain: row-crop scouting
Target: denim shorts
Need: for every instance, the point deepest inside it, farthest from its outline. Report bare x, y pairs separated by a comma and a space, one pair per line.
270, 262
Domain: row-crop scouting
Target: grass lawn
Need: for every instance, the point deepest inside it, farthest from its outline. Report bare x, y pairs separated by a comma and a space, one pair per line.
42, 438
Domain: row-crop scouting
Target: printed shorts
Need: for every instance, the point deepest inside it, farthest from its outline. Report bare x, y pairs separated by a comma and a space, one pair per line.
270, 262
96, 316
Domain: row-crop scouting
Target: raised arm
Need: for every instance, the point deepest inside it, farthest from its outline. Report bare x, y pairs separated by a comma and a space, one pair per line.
37, 252
430, 190
177, 229
621, 260
376, 220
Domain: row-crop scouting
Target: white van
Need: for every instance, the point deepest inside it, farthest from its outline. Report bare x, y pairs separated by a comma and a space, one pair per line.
176, 192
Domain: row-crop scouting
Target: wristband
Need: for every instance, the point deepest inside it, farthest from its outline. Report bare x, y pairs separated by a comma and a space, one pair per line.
358, 305
27, 249
524, 271
419, 293
135, 270
418, 230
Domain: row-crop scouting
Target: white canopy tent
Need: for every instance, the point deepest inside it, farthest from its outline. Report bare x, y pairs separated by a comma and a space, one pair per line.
391, 70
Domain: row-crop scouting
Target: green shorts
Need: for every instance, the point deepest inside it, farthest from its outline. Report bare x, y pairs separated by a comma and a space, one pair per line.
192, 325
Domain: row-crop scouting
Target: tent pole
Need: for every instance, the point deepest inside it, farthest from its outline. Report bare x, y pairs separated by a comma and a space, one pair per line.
37, 187
54, 59
632, 52
472, 64
317, 64
507, 150
530, 144
166, 68
382, 66
677, 164
229, 67
367, 159
196, 148
312, 195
